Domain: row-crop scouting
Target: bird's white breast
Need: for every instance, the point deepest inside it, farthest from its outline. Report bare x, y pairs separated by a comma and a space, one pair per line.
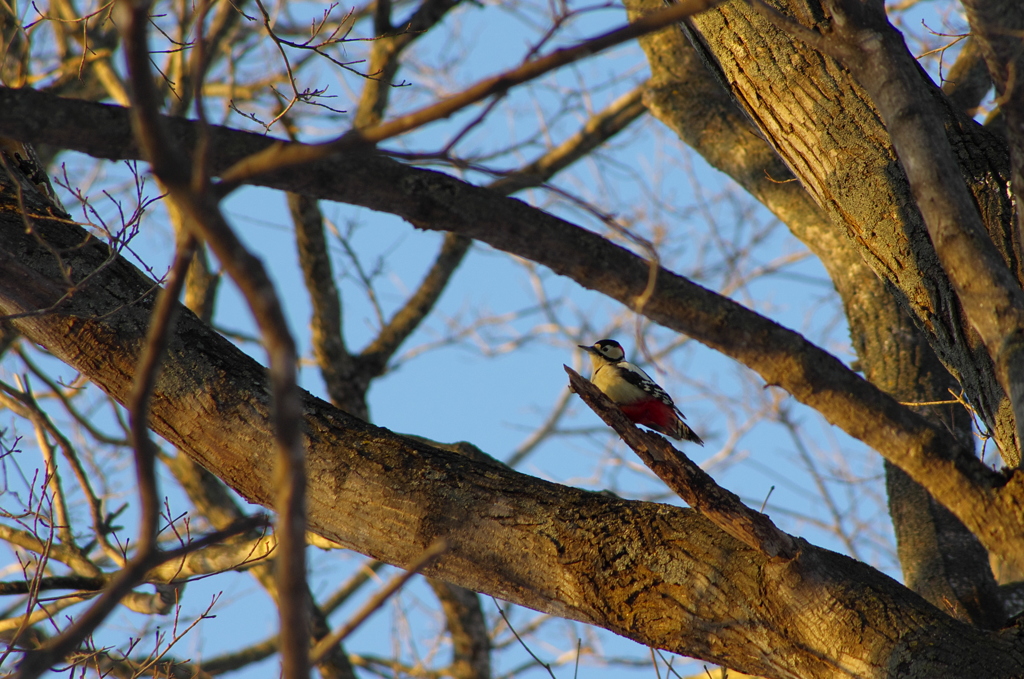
615, 387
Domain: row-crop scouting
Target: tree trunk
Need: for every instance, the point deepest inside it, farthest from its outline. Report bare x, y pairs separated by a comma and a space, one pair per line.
942, 560
825, 128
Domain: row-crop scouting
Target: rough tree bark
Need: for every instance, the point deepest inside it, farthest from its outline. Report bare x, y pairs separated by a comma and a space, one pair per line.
661, 575
828, 132
941, 559
990, 504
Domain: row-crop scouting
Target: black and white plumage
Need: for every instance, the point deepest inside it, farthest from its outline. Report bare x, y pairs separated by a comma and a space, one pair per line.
638, 396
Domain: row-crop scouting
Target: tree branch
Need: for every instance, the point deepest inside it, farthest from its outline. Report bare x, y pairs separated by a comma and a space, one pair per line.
337, 365
941, 559
464, 618
383, 64
429, 555
348, 377
988, 503
374, 357
38, 661
828, 131
968, 80
594, 133
147, 553
989, 294
627, 566
280, 157
215, 558
687, 480
193, 195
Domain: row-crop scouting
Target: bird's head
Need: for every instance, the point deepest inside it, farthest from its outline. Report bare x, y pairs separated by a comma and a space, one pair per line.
604, 351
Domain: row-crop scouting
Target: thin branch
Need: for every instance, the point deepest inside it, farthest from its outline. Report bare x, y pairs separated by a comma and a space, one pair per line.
599, 129
201, 562
436, 549
374, 358
384, 53
23, 403
72, 558
280, 157
37, 662
464, 618
145, 455
82, 420
968, 80
526, 647
44, 611
688, 480
335, 362
351, 586
52, 478
80, 582
193, 196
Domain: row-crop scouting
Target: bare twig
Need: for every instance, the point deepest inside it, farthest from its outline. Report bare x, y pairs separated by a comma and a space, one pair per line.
471, 644
436, 549
145, 457
37, 662
191, 192
281, 156
408, 318
52, 477
352, 585
526, 647
67, 400
599, 129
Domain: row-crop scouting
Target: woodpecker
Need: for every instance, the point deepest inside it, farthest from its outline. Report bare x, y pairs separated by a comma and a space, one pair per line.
636, 394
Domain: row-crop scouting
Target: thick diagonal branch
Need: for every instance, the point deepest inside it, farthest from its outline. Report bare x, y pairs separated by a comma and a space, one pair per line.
661, 575
941, 559
991, 505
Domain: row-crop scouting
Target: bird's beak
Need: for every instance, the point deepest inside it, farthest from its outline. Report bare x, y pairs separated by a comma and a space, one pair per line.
584, 347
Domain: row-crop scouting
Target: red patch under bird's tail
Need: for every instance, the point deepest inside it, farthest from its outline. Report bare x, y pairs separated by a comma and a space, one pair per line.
662, 418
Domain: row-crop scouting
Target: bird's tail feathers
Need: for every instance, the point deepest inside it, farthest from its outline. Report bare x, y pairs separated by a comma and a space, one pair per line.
680, 431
